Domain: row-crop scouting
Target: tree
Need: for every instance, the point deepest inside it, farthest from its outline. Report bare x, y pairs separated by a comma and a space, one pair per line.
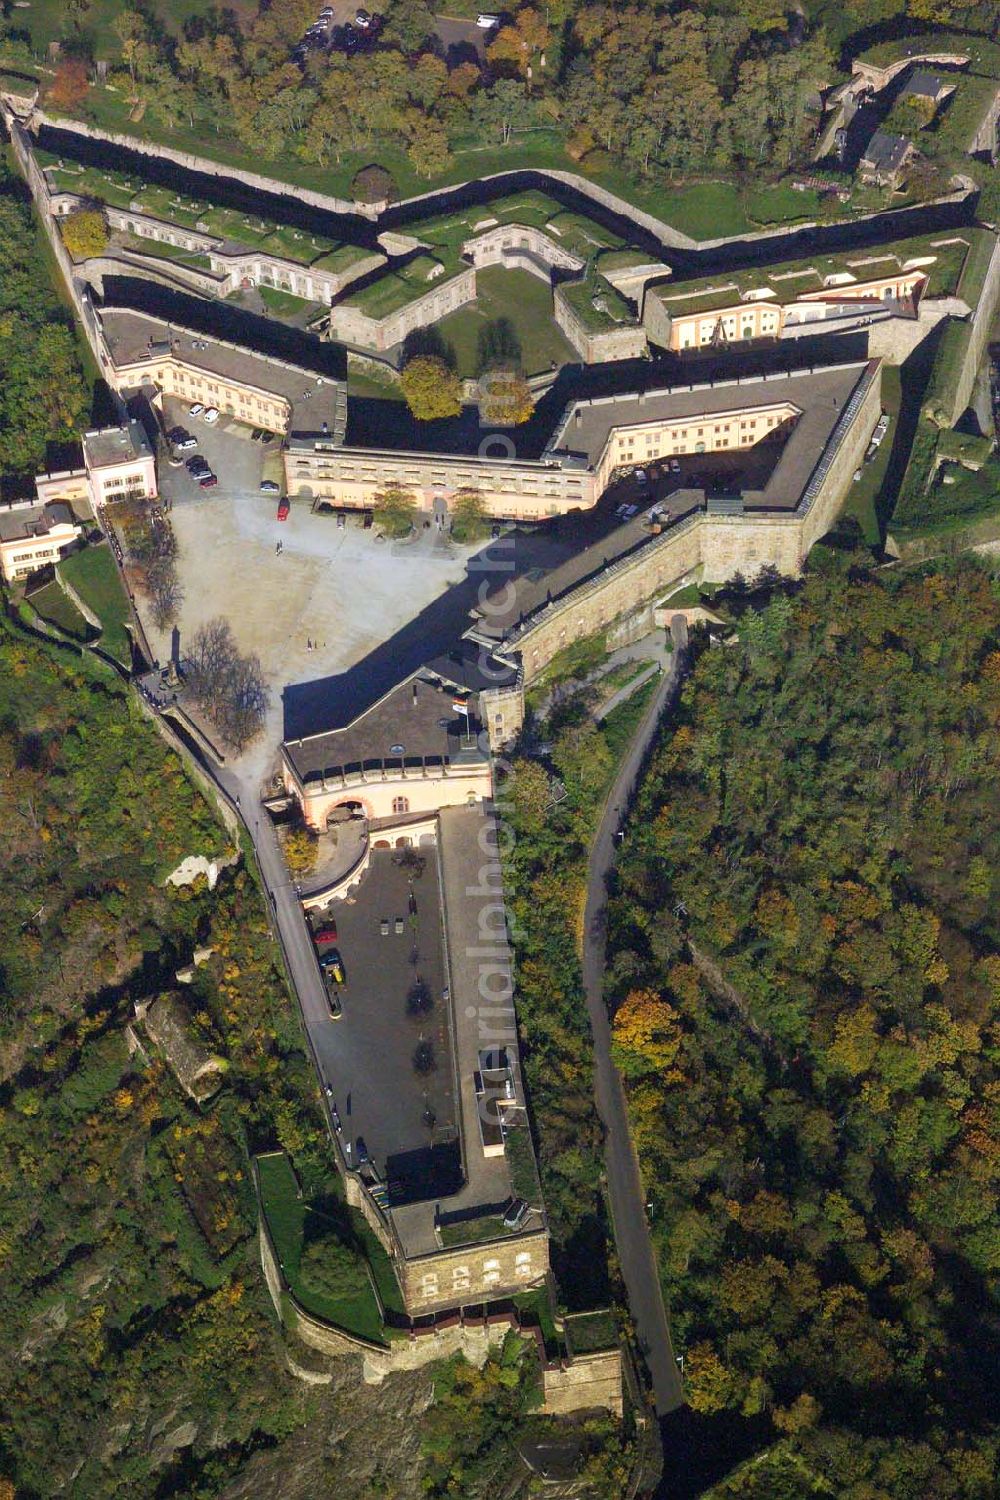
646, 1035
431, 389
373, 184
520, 43
70, 84
428, 149
395, 509
330, 1267
77, 12
469, 522
409, 23
503, 109
505, 397
85, 233
301, 847
229, 687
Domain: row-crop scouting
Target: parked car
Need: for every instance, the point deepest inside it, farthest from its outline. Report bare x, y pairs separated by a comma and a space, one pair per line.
383, 927
363, 19
327, 933
177, 435
187, 442
195, 409
268, 487
362, 1150
486, 21
283, 508
208, 481
267, 437
256, 435
333, 1004
210, 415
198, 465
335, 1117
333, 964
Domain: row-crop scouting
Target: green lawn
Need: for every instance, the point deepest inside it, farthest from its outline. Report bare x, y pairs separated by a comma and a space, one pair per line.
592, 1330
53, 605
283, 304
93, 574
527, 302
286, 1215
780, 203
705, 211
371, 389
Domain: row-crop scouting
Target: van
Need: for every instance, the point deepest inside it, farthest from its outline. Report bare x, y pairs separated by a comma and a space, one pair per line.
486, 22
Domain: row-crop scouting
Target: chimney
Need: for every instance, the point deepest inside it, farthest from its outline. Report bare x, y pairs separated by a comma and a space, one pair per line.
414, 695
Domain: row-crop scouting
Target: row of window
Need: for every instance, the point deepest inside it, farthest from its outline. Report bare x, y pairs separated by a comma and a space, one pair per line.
370, 474
461, 1276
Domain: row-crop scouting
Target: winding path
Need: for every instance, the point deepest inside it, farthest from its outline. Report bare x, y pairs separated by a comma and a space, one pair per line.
625, 1191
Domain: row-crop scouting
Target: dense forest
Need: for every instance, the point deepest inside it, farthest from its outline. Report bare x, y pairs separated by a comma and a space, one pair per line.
43, 397
805, 980
550, 798
719, 86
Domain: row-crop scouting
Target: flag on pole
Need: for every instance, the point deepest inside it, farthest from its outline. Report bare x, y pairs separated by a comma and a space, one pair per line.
461, 706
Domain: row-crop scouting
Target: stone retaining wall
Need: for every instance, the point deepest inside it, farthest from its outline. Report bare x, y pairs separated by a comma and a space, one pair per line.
588, 1383
981, 326
354, 326
516, 244
598, 346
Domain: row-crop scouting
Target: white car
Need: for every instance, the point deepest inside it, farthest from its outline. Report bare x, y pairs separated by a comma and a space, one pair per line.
486, 21
210, 415
195, 410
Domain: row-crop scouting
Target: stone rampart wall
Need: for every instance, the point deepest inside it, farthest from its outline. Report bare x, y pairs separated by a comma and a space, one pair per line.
499, 246
589, 1382
981, 326
628, 341
355, 326
167, 273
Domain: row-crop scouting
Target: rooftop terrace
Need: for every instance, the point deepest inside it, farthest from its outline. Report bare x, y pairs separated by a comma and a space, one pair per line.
597, 305
237, 230
947, 253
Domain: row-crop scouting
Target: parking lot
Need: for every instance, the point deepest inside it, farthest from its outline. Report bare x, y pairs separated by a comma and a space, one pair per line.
401, 1106
328, 598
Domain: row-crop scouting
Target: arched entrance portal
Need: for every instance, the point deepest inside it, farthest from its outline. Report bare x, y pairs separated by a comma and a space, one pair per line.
345, 812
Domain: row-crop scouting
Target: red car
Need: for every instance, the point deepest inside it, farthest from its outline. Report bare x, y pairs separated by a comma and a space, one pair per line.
283, 509
327, 934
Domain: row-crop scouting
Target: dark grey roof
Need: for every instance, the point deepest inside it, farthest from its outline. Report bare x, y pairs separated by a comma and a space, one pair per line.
886, 152
415, 722
927, 85
34, 520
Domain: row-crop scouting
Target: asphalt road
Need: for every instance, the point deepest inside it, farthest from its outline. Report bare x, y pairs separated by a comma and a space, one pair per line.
627, 1199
